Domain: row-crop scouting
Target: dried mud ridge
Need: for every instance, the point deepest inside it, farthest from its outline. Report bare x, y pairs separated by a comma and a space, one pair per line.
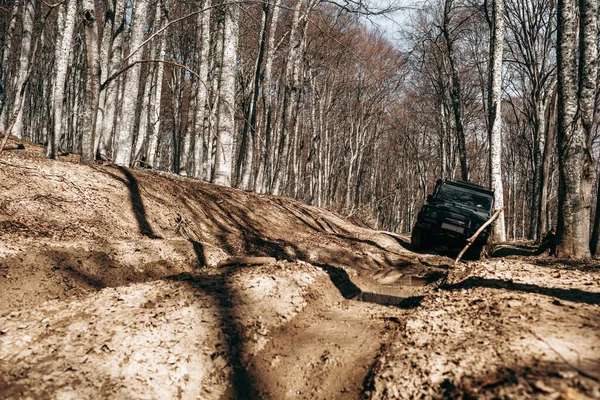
129, 284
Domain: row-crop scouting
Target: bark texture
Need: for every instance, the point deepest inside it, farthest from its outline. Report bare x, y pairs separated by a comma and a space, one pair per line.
92, 82
455, 92
495, 116
24, 60
58, 95
201, 120
576, 95
226, 123
125, 132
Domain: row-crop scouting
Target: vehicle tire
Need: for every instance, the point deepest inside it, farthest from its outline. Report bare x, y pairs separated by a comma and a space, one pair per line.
474, 252
418, 238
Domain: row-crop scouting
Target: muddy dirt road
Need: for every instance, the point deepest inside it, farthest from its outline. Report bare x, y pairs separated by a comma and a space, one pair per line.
112, 285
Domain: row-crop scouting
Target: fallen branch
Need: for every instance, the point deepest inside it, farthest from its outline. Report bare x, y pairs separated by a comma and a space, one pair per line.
16, 146
471, 240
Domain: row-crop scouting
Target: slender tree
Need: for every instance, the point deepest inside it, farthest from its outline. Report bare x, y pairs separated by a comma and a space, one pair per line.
125, 132
495, 114
456, 89
226, 122
107, 110
24, 62
58, 94
200, 148
265, 142
7, 55
92, 82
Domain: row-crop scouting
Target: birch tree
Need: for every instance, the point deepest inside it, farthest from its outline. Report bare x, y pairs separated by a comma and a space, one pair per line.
110, 58
265, 140
7, 56
92, 82
577, 72
58, 93
24, 62
289, 101
156, 99
495, 114
124, 135
248, 141
456, 89
226, 121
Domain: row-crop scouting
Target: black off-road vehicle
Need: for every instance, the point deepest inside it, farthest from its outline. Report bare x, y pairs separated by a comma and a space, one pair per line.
452, 214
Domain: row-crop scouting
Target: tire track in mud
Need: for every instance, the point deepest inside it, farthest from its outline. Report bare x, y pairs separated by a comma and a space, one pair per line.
329, 349
325, 352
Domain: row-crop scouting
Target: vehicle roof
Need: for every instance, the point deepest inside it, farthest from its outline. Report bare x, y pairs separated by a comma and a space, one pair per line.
470, 186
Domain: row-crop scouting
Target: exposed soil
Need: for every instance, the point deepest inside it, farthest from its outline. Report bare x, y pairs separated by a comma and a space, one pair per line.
111, 286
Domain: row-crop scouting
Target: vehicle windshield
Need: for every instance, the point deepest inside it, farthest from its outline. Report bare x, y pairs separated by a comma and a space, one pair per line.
466, 198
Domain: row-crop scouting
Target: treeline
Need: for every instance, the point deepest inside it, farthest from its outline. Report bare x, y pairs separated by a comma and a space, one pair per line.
283, 97
302, 98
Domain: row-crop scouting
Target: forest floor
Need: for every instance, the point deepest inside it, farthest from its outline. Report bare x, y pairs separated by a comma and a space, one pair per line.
112, 285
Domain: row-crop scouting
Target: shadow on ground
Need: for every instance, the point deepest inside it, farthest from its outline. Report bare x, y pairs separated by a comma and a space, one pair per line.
350, 291
575, 295
244, 383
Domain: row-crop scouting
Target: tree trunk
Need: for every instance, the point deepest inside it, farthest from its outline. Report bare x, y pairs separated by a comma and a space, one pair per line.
226, 117
92, 84
156, 100
203, 22
24, 60
210, 137
262, 176
124, 136
549, 146
246, 154
142, 135
7, 58
495, 116
186, 141
455, 93
105, 49
576, 95
110, 96
539, 138
58, 94
290, 100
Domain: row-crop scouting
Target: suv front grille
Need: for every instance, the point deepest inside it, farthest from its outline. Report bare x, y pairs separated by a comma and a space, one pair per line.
456, 219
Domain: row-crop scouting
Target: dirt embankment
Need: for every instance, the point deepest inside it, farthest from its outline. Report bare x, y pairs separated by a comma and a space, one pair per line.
76, 228
111, 286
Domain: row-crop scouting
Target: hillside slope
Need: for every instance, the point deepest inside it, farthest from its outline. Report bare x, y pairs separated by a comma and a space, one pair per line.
117, 273
108, 226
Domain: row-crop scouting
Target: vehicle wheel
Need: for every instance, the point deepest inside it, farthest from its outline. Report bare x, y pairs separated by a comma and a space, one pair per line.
418, 238
474, 252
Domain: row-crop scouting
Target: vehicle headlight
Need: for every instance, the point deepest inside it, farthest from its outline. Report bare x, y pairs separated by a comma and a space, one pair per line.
432, 212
